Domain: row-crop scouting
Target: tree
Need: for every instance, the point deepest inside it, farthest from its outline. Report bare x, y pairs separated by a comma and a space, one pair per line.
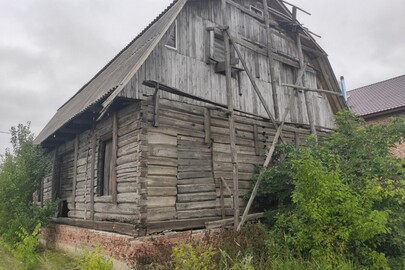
21, 172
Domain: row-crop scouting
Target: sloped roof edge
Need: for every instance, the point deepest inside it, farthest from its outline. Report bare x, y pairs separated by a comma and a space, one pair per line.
115, 72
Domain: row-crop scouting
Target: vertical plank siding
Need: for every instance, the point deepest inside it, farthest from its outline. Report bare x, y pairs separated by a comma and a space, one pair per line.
187, 70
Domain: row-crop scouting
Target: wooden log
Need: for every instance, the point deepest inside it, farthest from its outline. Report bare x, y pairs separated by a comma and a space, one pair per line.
113, 168
195, 205
308, 101
226, 222
127, 229
196, 213
161, 214
271, 60
159, 202
252, 80
195, 223
231, 118
197, 197
207, 125
92, 171
76, 153
298, 87
222, 199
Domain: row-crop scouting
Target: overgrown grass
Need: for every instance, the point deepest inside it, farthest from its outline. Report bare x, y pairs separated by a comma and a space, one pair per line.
48, 260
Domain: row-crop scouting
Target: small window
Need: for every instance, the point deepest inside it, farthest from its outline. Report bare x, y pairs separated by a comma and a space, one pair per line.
104, 187
172, 38
256, 11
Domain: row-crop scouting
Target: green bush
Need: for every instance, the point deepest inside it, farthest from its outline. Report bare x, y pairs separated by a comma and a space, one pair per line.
194, 257
342, 199
26, 249
21, 172
95, 260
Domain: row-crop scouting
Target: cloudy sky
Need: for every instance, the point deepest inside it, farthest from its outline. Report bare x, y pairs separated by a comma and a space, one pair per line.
49, 49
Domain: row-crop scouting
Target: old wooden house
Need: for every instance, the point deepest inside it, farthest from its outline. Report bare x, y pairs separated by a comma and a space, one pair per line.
167, 135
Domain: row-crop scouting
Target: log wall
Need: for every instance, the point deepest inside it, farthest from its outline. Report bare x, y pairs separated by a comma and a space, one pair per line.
184, 170
82, 197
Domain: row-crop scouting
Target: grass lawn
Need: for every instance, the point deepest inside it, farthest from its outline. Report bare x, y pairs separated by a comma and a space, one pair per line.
50, 260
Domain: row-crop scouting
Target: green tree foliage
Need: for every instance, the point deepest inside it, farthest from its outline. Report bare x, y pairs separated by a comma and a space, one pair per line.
343, 197
21, 172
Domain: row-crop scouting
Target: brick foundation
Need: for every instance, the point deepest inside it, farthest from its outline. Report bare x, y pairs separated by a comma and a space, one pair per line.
121, 248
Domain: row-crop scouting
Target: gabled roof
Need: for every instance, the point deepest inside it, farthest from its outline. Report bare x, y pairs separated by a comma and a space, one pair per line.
116, 73
378, 97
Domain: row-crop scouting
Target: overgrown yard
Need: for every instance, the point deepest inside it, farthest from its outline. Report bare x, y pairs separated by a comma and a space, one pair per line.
49, 260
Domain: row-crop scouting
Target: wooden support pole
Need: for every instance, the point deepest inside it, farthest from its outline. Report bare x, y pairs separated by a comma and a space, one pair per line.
92, 171
222, 199
256, 139
207, 125
226, 222
271, 59
297, 139
55, 175
271, 151
232, 134
156, 99
113, 168
308, 101
252, 80
76, 153
226, 185
298, 87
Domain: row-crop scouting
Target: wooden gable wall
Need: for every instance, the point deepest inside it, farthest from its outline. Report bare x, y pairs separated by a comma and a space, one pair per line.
186, 69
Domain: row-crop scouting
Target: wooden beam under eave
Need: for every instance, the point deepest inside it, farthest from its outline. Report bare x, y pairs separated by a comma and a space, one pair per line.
114, 190
92, 171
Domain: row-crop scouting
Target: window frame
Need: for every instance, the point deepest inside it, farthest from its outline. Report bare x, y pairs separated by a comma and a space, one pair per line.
176, 37
257, 11
101, 167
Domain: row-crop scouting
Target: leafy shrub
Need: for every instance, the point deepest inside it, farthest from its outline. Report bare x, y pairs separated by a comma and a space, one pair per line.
21, 172
342, 199
194, 257
95, 260
26, 249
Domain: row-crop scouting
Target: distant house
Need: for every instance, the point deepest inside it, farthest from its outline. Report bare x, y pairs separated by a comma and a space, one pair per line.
158, 138
377, 102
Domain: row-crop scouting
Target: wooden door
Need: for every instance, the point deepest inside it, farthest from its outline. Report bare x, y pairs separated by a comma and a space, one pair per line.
196, 193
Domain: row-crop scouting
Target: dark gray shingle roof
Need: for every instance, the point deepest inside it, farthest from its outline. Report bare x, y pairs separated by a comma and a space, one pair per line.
379, 97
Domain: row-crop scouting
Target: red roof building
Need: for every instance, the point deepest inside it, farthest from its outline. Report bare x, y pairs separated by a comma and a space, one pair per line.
379, 100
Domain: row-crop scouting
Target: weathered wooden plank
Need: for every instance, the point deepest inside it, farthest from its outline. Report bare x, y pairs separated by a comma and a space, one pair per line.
112, 208
162, 191
196, 197
159, 138
159, 202
195, 205
163, 171
114, 161
161, 214
196, 213
127, 229
229, 221
190, 175
161, 181
163, 150
159, 226
197, 187
92, 172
